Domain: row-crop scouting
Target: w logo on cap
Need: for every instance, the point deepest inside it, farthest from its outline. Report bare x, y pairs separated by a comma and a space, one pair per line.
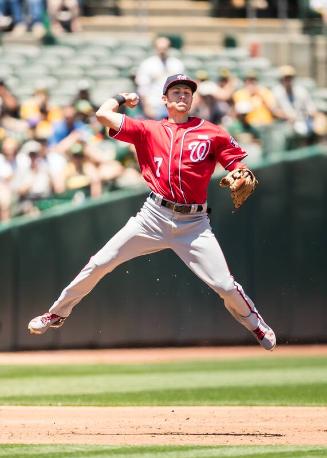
179, 79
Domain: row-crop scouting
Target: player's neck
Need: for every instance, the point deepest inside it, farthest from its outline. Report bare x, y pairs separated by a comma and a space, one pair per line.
178, 118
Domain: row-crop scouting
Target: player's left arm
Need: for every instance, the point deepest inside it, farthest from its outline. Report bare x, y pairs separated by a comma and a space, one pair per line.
228, 152
240, 180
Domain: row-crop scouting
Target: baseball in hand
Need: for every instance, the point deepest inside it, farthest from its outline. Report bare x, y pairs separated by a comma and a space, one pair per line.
133, 98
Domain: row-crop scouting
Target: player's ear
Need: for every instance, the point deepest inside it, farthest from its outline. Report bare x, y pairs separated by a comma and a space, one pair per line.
164, 99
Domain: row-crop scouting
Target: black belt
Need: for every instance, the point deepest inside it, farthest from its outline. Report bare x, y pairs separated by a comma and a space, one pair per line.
180, 208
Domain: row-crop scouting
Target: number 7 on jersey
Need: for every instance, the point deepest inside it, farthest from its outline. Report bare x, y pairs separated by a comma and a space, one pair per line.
158, 161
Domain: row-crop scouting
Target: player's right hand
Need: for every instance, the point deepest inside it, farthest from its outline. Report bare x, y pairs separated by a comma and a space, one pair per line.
132, 99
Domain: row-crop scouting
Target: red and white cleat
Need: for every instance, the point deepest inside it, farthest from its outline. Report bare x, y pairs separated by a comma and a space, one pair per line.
265, 336
40, 324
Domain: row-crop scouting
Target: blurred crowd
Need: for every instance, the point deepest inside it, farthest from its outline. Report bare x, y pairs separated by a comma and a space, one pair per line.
51, 154
263, 119
20, 16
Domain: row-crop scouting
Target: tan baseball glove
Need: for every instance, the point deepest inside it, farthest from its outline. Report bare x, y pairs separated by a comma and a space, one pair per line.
241, 183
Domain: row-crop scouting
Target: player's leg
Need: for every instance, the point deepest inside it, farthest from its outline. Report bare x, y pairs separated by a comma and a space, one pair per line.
141, 235
197, 246
128, 243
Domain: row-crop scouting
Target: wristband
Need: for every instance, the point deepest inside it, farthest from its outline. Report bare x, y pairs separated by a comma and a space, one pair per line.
120, 99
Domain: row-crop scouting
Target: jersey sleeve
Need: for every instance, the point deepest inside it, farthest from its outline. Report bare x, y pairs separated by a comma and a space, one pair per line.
131, 131
229, 152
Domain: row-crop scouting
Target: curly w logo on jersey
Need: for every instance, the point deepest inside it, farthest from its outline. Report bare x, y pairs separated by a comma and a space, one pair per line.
199, 150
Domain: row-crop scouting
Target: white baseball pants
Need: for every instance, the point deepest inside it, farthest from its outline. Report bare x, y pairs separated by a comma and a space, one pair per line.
157, 228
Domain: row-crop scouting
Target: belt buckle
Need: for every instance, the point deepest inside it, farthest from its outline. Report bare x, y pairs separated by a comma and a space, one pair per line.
175, 207
180, 208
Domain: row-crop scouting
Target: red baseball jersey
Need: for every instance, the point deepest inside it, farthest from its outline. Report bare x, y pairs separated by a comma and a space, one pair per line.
178, 160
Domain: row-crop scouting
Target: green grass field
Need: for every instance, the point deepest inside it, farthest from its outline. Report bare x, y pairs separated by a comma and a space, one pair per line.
261, 381
86, 451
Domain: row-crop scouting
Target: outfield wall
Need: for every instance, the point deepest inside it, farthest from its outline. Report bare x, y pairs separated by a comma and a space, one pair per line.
275, 246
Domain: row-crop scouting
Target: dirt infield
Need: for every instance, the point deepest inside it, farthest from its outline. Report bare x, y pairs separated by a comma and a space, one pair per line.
164, 425
161, 425
153, 355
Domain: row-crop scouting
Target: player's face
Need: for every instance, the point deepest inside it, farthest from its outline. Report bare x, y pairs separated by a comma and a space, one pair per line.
178, 98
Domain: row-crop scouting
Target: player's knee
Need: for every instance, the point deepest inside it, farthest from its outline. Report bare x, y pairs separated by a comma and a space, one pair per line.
91, 266
106, 261
224, 287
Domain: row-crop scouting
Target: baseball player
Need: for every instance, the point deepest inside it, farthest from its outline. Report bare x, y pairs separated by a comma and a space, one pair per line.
177, 157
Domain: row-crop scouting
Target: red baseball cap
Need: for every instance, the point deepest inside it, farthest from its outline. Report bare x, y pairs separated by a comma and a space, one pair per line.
179, 79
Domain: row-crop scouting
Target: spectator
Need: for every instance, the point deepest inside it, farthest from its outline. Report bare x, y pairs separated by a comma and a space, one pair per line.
9, 112
33, 20
83, 95
84, 110
81, 172
6, 195
214, 98
38, 112
320, 6
8, 166
56, 164
151, 76
67, 126
201, 75
256, 102
109, 169
207, 105
64, 15
295, 102
227, 85
252, 113
8, 102
34, 182
13, 159
5, 198
43, 127
5, 19
113, 172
